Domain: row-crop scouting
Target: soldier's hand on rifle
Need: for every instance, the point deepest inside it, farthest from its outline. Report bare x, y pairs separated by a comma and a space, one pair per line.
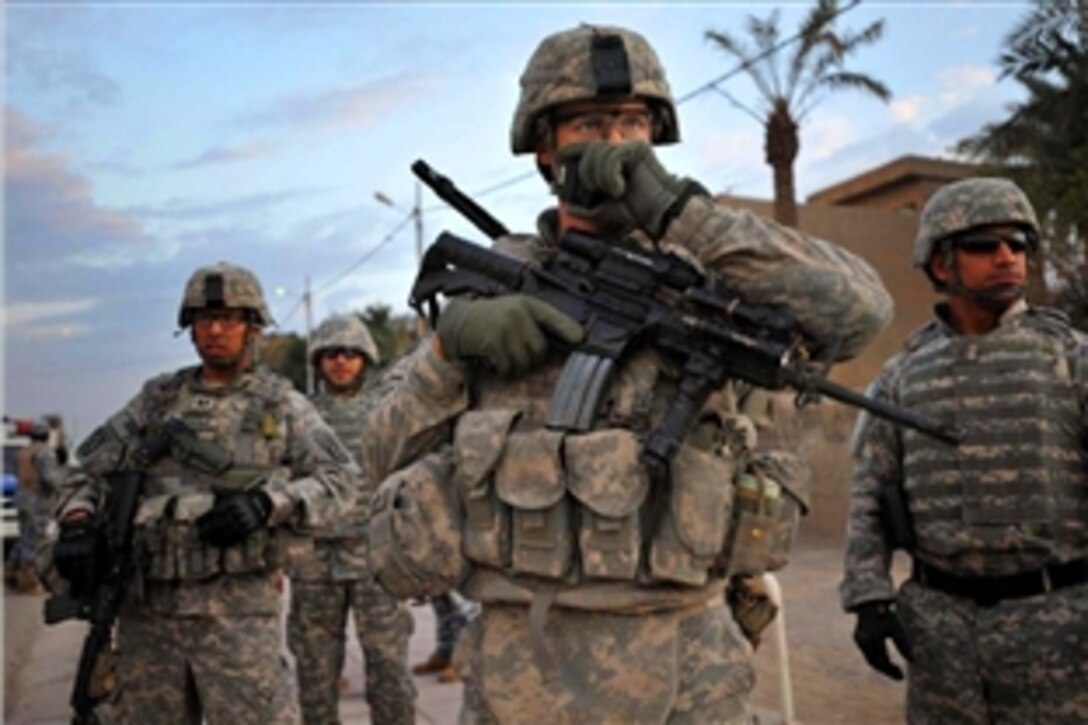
234, 517
876, 624
80, 555
620, 185
509, 333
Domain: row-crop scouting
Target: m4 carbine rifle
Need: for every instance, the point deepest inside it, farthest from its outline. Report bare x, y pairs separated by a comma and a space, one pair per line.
101, 606
626, 296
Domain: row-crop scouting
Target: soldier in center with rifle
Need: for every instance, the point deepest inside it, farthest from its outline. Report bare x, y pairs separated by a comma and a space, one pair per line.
178, 518
599, 561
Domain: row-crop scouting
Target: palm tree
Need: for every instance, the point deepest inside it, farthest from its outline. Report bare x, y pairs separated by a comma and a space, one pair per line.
789, 93
1043, 144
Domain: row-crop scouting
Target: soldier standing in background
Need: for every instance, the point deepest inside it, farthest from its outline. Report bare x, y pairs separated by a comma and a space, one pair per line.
450, 619
200, 630
588, 612
333, 578
38, 474
994, 618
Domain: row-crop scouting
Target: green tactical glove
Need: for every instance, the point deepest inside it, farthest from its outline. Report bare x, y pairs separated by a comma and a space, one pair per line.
507, 332
620, 186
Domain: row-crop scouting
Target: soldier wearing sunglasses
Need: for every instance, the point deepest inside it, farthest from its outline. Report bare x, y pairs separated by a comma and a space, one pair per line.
332, 578
994, 618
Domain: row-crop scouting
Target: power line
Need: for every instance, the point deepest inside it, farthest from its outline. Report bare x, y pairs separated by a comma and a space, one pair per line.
712, 84
366, 255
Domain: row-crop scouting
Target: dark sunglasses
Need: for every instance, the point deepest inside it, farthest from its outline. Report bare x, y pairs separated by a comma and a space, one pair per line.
987, 243
334, 352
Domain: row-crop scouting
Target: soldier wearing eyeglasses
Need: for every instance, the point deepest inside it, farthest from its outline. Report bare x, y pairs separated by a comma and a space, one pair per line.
994, 618
199, 634
601, 590
333, 579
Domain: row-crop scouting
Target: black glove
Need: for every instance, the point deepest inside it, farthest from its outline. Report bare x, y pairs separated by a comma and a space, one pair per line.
234, 517
507, 332
876, 623
80, 556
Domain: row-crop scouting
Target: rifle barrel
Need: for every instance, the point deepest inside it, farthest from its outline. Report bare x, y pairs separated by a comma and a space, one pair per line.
448, 192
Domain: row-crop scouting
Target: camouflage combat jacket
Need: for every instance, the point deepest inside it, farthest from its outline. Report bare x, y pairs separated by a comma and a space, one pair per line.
1013, 497
339, 548
575, 510
275, 439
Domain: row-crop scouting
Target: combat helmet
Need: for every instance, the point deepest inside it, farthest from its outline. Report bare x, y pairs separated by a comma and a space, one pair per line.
223, 285
971, 203
587, 63
344, 331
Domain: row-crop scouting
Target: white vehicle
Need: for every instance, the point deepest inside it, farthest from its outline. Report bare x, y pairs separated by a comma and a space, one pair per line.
10, 524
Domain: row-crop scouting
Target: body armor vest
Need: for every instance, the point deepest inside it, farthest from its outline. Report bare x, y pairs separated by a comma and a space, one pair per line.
580, 509
344, 414
1015, 491
246, 419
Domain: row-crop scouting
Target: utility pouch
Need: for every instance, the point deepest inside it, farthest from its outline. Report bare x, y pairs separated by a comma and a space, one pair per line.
193, 559
529, 479
692, 531
415, 533
604, 475
478, 444
771, 498
153, 533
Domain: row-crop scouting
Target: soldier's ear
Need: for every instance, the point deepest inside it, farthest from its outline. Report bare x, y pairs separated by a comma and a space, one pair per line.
939, 268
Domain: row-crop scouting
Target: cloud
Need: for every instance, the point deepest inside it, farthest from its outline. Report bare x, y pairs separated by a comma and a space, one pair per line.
224, 154
907, 109
51, 215
185, 209
22, 313
24, 320
343, 109
960, 82
65, 73
827, 134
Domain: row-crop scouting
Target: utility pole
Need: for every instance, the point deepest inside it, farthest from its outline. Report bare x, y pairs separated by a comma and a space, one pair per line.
307, 302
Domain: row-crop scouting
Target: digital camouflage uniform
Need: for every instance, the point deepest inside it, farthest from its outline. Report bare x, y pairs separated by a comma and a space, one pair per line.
333, 577
199, 634
588, 614
38, 477
1005, 510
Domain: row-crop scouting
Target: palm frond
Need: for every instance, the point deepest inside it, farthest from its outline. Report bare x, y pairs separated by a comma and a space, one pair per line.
746, 56
855, 81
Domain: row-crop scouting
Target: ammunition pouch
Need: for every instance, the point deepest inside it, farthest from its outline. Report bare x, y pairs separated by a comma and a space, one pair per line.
172, 549
571, 507
771, 497
415, 542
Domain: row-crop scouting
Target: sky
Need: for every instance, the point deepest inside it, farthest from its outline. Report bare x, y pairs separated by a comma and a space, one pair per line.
145, 139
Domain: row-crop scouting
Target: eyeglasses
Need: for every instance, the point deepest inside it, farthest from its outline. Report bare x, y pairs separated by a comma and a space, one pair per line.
598, 125
228, 318
987, 243
335, 352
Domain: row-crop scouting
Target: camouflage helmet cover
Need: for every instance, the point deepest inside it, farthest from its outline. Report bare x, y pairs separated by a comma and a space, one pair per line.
588, 63
967, 204
346, 331
223, 285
